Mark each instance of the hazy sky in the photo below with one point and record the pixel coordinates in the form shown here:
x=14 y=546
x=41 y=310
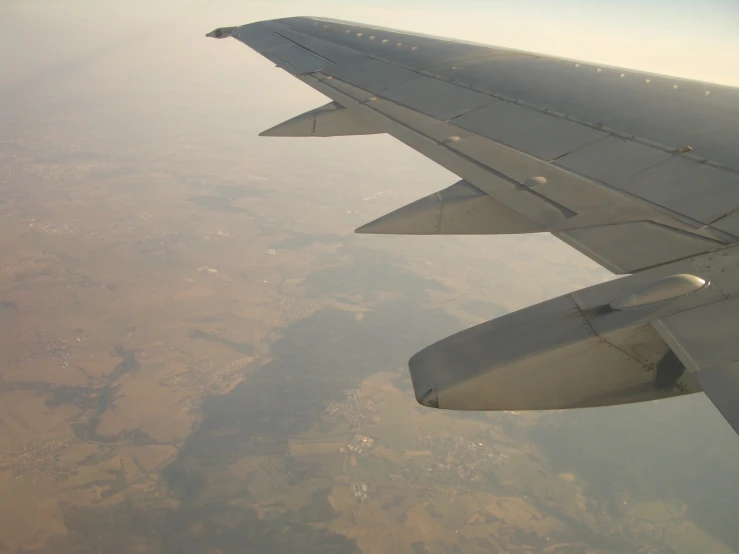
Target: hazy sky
x=678 y=37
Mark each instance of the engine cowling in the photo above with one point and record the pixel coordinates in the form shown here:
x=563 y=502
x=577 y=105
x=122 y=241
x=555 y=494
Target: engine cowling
x=559 y=354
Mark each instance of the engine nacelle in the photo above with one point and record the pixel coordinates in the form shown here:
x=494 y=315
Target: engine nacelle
x=574 y=351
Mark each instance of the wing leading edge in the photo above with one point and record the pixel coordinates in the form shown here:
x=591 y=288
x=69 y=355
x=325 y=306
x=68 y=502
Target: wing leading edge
x=638 y=171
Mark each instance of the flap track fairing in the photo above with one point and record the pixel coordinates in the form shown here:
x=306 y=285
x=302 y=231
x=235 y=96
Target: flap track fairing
x=331 y=120
x=461 y=209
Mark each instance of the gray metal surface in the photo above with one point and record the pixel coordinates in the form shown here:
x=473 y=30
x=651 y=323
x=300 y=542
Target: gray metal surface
x=337 y=54
x=728 y=224
x=635 y=246
x=640 y=172
x=613 y=159
x=372 y=75
x=699 y=191
x=389 y=44
x=301 y=59
x=704 y=337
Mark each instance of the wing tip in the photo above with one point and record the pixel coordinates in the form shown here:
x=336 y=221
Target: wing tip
x=221 y=32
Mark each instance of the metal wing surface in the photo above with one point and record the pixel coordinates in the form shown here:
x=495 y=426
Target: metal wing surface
x=640 y=172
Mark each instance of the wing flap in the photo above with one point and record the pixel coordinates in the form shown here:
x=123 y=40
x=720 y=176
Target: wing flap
x=704 y=337
x=705 y=341
x=630 y=247
x=687 y=187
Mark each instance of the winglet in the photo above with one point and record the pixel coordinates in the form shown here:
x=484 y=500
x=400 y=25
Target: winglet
x=331 y=120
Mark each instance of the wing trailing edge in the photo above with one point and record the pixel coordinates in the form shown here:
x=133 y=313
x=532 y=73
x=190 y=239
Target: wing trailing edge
x=331 y=120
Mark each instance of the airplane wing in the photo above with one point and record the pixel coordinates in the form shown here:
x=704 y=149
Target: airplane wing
x=640 y=172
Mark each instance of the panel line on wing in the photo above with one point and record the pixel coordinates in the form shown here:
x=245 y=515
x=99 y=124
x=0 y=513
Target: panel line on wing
x=580 y=147
x=564 y=116
x=611 y=245
x=482 y=53
x=566 y=212
x=305 y=48
x=567 y=117
x=616 y=176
